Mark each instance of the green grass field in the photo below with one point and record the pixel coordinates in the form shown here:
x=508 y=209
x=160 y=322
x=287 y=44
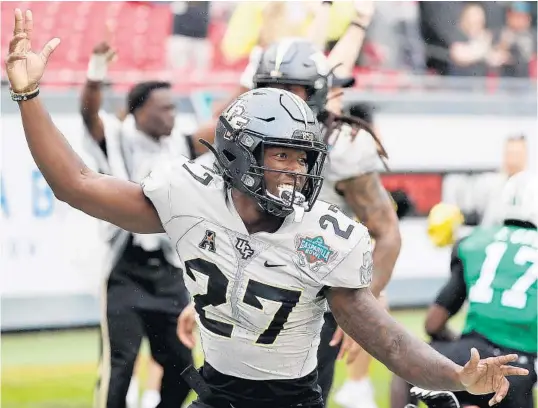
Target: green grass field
x=58 y=369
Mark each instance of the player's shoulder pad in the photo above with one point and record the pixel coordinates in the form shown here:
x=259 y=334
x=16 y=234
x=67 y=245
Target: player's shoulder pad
x=352 y=156
x=172 y=181
x=346 y=242
x=334 y=225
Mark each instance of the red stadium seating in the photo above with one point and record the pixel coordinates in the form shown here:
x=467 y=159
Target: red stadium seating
x=140 y=31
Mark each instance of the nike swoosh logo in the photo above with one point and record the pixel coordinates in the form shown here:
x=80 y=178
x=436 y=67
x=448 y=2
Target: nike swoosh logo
x=268 y=265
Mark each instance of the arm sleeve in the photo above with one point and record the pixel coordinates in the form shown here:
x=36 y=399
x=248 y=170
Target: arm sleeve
x=454 y=293
x=355 y=270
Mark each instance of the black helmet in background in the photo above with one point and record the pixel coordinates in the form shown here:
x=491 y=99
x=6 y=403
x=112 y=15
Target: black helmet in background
x=296 y=61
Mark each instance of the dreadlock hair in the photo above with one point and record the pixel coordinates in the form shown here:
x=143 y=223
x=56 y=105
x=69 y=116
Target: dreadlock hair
x=334 y=122
x=362 y=111
x=140 y=93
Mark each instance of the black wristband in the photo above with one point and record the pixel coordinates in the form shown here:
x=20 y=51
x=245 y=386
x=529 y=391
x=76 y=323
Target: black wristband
x=330 y=3
x=356 y=24
x=19 y=97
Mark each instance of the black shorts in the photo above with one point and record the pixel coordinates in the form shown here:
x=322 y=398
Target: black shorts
x=520 y=393
x=226 y=391
x=199 y=404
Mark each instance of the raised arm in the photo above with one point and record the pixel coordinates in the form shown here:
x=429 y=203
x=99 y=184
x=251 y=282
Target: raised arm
x=90 y=103
x=344 y=54
x=319 y=28
x=347 y=49
x=362 y=317
x=116 y=201
x=91 y=98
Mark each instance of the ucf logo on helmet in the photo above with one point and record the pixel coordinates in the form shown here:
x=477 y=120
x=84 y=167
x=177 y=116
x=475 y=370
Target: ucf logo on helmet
x=234 y=116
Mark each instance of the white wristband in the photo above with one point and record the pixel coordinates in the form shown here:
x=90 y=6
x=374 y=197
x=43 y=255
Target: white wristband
x=97 y=67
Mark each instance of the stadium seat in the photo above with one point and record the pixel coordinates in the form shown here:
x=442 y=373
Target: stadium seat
x=140 y=31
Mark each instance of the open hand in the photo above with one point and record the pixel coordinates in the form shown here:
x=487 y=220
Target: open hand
x=489 y=375
x=186 y=325
x=23 y=66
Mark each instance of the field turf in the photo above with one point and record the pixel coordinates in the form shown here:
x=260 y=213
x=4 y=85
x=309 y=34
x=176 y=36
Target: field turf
x=58 y=369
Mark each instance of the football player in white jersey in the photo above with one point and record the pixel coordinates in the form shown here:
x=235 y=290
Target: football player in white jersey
x=351 y=173
x=260 y=255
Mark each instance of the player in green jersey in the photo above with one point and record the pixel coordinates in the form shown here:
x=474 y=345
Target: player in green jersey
x=496 y=270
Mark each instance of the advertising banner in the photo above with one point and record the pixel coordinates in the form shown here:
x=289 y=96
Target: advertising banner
x=50 y=250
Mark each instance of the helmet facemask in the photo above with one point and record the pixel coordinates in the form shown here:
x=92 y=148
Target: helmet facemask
x=248 y=175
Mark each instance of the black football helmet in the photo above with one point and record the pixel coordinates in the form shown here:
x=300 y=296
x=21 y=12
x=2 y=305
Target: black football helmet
x=269 y=117
x=296 y=61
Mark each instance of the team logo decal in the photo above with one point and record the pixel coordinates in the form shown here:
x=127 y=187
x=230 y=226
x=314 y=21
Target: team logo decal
x=244 y=248
x=366 y=268
x=209 y=241
x=235 y=117
x=313 y=251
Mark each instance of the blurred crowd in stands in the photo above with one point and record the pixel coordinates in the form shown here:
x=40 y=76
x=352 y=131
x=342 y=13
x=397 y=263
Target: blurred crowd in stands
x=211 y=41
x=447 y=38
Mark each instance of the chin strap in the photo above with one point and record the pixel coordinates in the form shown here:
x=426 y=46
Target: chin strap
x=285 y=195
x=285 y=192
x=298 y=213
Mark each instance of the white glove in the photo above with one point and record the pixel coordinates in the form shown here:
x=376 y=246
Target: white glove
x=97 y=67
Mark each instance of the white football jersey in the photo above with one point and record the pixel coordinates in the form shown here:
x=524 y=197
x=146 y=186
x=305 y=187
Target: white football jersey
x=207 y=159
x=351 y=156
x=348 y=157
x=258 y=297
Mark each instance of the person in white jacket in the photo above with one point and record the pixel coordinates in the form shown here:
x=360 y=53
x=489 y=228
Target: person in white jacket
x=145 y=292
